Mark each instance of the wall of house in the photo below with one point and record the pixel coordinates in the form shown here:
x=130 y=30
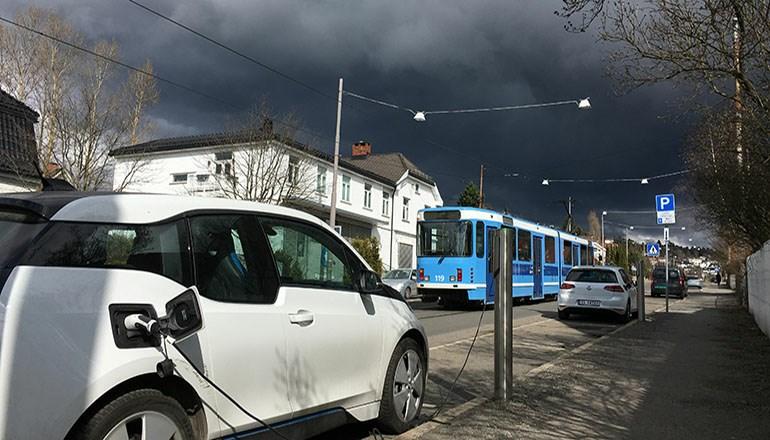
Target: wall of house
x=758 y=280
x=157 y=173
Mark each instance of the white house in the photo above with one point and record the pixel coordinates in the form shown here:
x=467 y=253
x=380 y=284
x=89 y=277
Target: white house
x=378 y=195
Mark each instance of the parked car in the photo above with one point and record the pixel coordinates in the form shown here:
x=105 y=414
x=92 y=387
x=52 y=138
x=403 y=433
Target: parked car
x=694 y=281
x=118 y=310
x=402 y=280
x=677 y=282
x=597 y=289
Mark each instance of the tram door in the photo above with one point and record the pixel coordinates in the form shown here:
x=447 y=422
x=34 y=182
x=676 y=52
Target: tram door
x=575 y=255
x=537 y=267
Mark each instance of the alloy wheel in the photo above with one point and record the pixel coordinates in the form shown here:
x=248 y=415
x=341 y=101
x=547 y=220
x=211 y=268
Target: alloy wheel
x=408 y=385
x=145 y=425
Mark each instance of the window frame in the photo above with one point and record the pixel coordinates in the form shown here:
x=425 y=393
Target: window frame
x=320 y=180
x=347 y=255
x=552 y=241
x=519 y=232
x=386 y=200
x=174 y=177
x=345 y=189
x=367 y=195
x=405 y=209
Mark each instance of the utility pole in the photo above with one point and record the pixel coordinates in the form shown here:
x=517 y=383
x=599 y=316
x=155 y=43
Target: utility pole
x=481 y=188
x=738 y=98
x=333 y=208
x=569 y=215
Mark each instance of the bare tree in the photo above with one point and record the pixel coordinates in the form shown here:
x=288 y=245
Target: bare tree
x=735 y=198
x=265 y=164
x=87 y=107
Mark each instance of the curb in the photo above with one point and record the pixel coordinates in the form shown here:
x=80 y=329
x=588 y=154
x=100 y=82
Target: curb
x=449 y=414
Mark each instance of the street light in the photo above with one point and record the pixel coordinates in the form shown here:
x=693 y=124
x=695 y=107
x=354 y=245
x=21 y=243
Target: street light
x=645 y=181
x=419 y=116
x=631 y=228
x=545 y=182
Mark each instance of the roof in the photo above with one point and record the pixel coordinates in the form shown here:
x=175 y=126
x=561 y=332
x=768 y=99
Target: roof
x=385 y=174
x=128 y=208
x=17 y=146
x=389 y=165
x=9 y=104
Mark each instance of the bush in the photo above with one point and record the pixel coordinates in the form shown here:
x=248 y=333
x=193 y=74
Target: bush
x=369 y=248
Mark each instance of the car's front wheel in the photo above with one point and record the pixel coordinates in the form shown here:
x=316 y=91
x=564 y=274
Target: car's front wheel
x=145 y=414
x=402 y=395
x=408 y=293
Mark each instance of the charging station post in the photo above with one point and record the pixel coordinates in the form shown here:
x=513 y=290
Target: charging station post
x=502 y=271
x=640 y=290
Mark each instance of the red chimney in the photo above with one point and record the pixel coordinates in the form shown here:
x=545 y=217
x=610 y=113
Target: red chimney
x=362 y=149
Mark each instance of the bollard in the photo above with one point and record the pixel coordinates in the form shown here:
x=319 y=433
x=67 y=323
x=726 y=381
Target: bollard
x=502 y=269
x=640 y=290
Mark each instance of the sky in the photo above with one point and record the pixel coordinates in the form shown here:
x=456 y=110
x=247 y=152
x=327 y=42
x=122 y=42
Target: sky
x=425 y=55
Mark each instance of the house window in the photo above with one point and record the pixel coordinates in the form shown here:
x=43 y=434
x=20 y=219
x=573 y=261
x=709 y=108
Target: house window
x=417 y=188
x=179 y=178
x=223 y=156
x=223 y=163
x=293 y=176
x=386 y=204
x=345 y=188
x=367 y=196
x=320 y=180
x=202 y=178
x=405 y=210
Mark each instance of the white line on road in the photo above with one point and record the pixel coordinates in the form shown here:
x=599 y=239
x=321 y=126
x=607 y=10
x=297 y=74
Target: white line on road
x=484 y=335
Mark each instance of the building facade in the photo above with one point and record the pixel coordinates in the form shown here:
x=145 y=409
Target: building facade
x=378 y=195
x=18 y=147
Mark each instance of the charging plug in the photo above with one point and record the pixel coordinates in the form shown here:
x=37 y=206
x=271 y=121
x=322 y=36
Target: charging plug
x=142 y=323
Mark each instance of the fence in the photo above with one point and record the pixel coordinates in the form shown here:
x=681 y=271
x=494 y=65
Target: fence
x=758 y=277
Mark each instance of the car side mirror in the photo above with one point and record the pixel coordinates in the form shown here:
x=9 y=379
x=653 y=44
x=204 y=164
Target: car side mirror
x=368 y=282
x=183 y=316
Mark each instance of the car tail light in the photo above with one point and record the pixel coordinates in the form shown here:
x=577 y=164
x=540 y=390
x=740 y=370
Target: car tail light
x=422 y=274
x=459 y=274
x=567 y=286
x=614 y=288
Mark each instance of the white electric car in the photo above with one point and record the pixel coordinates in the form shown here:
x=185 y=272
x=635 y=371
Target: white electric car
x=590 y=289
x=128 y=316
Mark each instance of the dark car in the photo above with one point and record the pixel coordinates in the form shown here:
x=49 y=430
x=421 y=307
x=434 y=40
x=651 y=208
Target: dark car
x=677 y=282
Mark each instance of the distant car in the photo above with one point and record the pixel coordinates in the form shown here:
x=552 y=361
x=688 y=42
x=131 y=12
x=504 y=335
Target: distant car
x=403 y=280
x=694 y=281
x=677 y=282
x=596 y=289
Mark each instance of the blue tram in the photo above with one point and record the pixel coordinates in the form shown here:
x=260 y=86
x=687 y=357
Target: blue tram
x=452 y=249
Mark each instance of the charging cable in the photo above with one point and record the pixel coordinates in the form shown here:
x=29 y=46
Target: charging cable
x=151 y=327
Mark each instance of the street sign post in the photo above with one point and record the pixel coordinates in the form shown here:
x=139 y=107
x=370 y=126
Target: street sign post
x=652 y=249
x=665 y=239
x=665 y=207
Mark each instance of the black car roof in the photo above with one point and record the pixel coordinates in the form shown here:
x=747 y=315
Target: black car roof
x=44 y=204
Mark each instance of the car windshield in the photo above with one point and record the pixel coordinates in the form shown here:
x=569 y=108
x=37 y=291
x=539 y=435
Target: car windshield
x=17 y=230
x=592 y=276
x=397 y=275
x=444 y=239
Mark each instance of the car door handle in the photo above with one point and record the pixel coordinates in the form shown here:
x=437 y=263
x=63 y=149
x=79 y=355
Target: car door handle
x=302 y=318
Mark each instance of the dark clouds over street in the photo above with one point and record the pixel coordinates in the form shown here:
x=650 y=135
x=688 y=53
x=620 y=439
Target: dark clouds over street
x=423 y=55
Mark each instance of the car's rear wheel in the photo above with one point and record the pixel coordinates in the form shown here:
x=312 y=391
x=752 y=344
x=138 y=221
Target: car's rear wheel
x=145 y=414
x=402 y=395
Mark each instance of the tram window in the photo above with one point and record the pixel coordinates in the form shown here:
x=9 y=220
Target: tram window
x=550 y=250
x=524 y=245
x=583 y=255
x=479 y=239
x=567 y=253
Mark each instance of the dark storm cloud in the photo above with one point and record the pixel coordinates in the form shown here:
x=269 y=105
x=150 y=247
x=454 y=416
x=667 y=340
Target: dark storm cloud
x=424 y=54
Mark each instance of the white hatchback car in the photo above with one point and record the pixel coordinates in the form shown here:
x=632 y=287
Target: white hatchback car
x=127 y=316
x=595 y=289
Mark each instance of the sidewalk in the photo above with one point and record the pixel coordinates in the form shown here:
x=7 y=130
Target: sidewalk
x=700 y=372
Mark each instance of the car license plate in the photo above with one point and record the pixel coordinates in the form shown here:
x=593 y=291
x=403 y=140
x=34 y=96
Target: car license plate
x=660 y=286
x=589 y=302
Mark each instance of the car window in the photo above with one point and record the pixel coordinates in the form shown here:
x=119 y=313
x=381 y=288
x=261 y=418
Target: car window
x=397 y=275
x=232 y=259
x=307 y=255
x=592 y=276
x=158 y=249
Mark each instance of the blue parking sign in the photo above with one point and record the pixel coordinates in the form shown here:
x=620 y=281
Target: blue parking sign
x=665 y=202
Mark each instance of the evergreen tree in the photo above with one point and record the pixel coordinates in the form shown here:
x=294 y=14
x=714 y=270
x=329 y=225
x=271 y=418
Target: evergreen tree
x=470 y=196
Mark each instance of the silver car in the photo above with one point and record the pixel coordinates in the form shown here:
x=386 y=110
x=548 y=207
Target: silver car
x=402 y=280
x=597 y=289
